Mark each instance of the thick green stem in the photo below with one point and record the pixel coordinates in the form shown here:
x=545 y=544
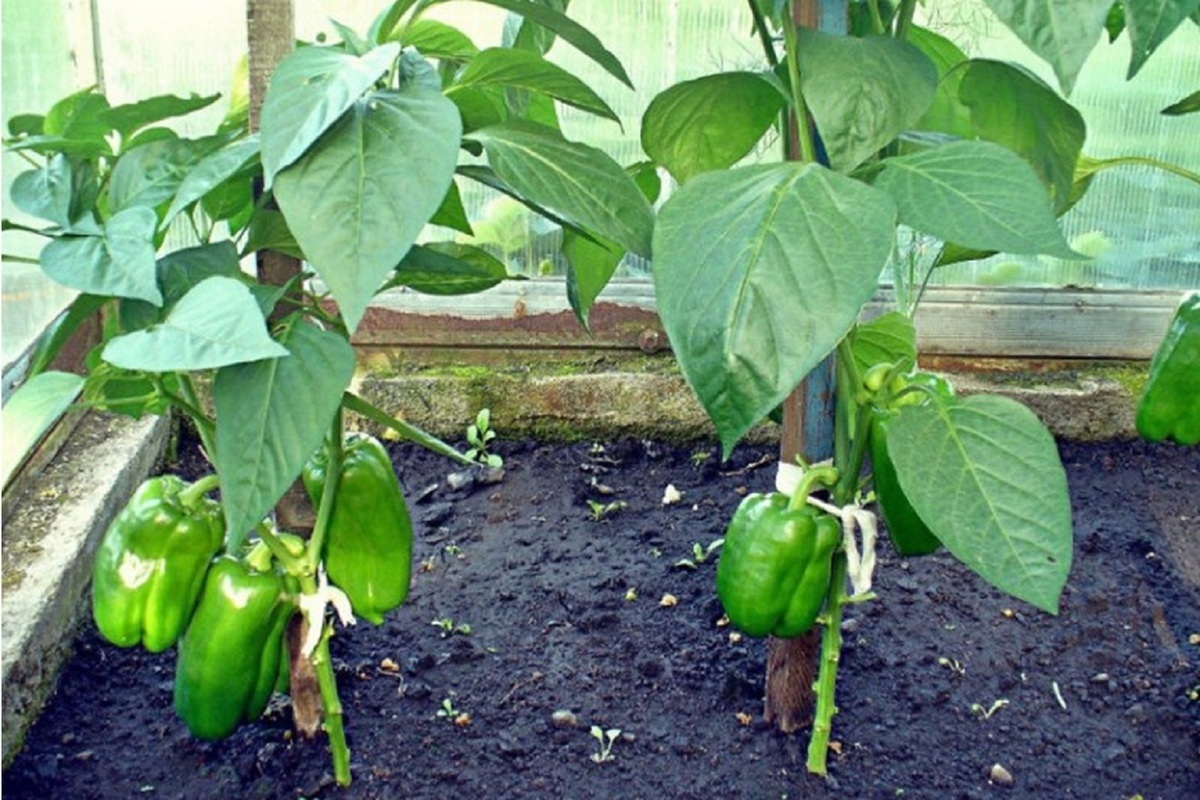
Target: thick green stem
x=831 y=653
x=904 y=17
x=333 y=711
x=292 y=565
x=808 y=151
x=352 y=402
x=819 y=476
x=849 y=470
x=333 y=475
x=192 y=494
x=876 y=20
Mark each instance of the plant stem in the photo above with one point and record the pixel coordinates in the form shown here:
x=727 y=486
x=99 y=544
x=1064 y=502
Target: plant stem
x=333 y=711
x=876 y=20
x=847 y=485
x=831 y=653
x=904 y=18
x=291 y=564
x=192 y=494
x=764 y=35
x=1146 y=162
x=333 y=475
x=352 y=402
x=808 y=153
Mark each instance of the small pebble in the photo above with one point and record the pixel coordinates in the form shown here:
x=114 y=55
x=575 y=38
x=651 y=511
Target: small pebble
x=1000 y=776
x=564 y=719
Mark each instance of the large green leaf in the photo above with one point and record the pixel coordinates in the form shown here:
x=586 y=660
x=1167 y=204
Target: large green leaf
x=709 y=123
x=571 y=32
x=863 y=93
x=945 y=114
x=435 y=39
x=976 y=194
x=887 y=339
x=576 y=182
x=521 y=69
x=30 y=412
x=216 y=324
x=1012 y=107
x=80 y=116
x=385 y=22
x=271 y=415
x=60 y=192
x=1062 y=32
x=310 y=90
x=213 y=170
x=590 y=266
x=151 y=174
x=758 y=273
x=447 y=268
x=125 y=119
x=268 y=230
x=120 y=263
x=177 y=273
x=1149 y=23
x=984 y=474
x=525 y=35
x=357 y=200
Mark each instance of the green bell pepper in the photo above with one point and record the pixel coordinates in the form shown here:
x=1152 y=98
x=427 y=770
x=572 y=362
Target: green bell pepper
x=368 y=546
x=1170 y=404
x=151 y=562
x=908 y=532
x=229 y=655
x=774 y=570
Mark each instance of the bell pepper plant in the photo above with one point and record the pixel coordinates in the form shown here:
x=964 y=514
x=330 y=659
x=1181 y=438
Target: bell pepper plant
x=895 y=144
x=360 y=147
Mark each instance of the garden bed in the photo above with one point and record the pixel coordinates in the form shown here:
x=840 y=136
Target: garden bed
x=1097 y=702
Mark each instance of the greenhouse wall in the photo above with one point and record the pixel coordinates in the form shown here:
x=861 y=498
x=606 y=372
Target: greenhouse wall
x=1140 y=226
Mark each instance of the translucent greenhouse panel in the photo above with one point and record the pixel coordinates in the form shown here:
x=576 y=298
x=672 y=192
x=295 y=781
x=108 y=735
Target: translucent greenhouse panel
x=1140 y=225
x=47 y=53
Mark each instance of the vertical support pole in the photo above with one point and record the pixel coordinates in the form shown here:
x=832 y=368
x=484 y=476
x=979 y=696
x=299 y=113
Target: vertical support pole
x=271 y=34
x=808 y=432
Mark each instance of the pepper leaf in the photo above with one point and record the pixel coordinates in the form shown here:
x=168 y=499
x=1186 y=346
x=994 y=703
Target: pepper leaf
x=217 y=323
x=984 y=474
x=759 y=272
x=271 y=415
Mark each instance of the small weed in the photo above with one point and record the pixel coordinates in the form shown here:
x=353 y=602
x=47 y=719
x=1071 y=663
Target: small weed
x=953 y=665
x=453 y=550
x=606 y=738
x=699 y=457
x=699 y=554
x=448 y=711
x=479 y=434
x=448 y=627
x=979 y=711
x=602 y=510
x=631 y=594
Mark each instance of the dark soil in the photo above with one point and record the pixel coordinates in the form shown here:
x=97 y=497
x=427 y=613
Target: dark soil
x=1101 y=700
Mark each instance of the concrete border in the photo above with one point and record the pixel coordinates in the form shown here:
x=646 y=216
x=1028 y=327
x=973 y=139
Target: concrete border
x=49 y=538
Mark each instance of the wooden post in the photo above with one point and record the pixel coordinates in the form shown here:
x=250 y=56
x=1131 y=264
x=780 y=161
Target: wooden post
x=271 y=34
x=808 y=414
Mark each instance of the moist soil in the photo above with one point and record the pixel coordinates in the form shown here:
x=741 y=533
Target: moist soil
x=941 y=677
